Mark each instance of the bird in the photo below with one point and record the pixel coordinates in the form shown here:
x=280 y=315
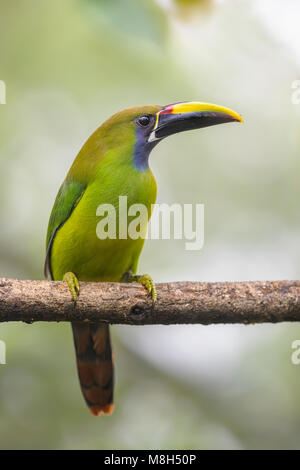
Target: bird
x=113 y=162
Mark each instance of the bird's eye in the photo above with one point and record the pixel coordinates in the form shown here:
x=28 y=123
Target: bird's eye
x=144 y=121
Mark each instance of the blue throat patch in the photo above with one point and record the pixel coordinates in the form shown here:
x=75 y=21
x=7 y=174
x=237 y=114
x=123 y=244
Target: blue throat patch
x=142 y=150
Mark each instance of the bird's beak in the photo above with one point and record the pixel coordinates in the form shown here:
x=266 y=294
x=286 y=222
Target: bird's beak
x=185 y=116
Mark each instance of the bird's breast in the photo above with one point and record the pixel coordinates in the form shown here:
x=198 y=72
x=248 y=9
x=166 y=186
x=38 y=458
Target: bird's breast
x=115 y=207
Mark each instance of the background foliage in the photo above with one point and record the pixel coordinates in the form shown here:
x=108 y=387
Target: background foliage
x=68 y=66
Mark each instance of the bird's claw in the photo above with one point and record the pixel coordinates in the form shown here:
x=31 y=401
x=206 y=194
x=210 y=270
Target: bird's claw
x=149 y=284
x=146 y=281
x=73 y=284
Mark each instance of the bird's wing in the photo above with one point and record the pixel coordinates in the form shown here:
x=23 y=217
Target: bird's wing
x=66 y=200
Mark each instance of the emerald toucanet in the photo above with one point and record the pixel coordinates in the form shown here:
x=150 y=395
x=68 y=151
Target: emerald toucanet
x=112 y=163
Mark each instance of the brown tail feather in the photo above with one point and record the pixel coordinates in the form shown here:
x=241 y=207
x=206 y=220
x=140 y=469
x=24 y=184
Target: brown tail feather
x=94 y=365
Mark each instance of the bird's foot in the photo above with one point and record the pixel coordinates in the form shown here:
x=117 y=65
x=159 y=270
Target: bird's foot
x=145 y=280
x=73 y=284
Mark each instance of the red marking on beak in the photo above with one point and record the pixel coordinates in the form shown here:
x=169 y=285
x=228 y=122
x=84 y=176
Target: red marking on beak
x=168 y=109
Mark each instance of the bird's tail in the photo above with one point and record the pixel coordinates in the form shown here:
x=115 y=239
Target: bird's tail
x=94 y=365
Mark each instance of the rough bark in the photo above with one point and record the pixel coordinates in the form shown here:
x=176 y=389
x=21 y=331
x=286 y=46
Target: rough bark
x=177 y=302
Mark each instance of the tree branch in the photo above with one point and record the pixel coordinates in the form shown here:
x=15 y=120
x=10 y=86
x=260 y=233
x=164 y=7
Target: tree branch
x=177 y=302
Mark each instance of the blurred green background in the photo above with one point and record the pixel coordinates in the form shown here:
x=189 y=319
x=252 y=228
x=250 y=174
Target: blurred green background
x=68 y=66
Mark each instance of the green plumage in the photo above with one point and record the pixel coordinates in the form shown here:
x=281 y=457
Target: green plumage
x=103 y=170
x=67 y=198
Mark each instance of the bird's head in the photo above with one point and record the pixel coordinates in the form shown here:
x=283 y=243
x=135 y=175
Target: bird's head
x=144 y=126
